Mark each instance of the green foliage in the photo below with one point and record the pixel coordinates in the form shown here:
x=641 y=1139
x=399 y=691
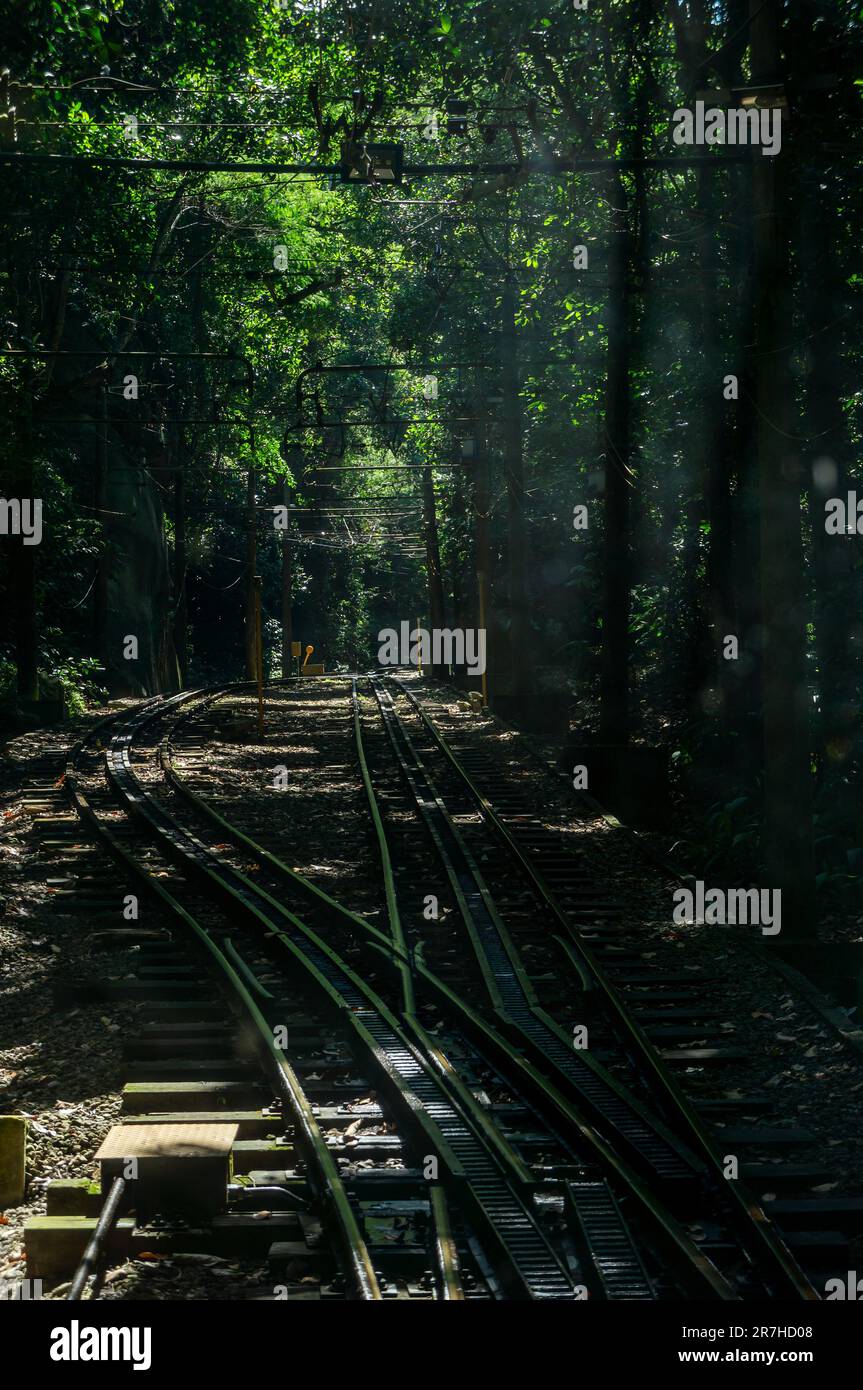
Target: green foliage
x=728 y=840
x=70 y=679
x=79 y=680
x=181 y=261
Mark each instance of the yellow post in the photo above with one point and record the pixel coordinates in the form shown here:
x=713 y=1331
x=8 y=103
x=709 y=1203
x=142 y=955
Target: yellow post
x=13 y=1153
x=259 y=656
x=482 y=603
x=419 y=648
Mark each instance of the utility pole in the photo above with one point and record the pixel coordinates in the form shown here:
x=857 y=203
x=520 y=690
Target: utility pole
x=459 y=527
x=251 y=566
x=482 y=509
x=433 y=565
x=259 y=653
x=287 y=586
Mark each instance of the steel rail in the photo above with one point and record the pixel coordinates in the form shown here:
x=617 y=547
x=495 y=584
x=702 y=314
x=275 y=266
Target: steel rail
x=765 y=1240
x=393 y=914
x=645 y=1137
x=446 y=1250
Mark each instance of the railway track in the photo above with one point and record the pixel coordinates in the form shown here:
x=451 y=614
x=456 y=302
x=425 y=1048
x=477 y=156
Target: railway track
x=686 y=1170
x=581 y=1203
x=441 y=1135
x=503 y=1236
x=495 y=1189
x=484 y=1051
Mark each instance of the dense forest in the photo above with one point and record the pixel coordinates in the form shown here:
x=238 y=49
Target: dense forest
x=423 y=312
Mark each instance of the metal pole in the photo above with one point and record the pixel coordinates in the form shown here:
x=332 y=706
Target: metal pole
x=483 y=581
x=93 y=1252
x=287 y=590
x=259 y=655
x=482 y=507
x=251 y=567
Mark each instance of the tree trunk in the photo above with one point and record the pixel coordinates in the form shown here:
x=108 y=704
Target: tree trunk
x=713 y=605
x=22 y=558
x=828 y=310
x=24 y=590
x=785 y=697
x=744 y=675
x=181 y=615
x=827 y=476
x=614 y=664
x=100 y=586
x=514 y=472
